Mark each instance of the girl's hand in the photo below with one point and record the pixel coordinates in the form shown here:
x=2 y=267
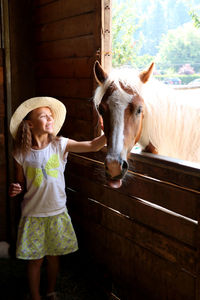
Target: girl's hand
x=14 y=189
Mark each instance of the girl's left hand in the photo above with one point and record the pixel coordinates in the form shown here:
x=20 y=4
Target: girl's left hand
x=14 y=189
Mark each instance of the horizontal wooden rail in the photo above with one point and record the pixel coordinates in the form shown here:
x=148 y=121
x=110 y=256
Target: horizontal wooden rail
x=144 y=232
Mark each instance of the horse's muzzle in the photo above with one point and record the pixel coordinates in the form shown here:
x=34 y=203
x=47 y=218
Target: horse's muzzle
x=115 y=171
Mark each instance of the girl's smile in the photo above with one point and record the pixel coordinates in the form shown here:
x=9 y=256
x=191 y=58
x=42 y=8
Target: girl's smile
x=41 y=121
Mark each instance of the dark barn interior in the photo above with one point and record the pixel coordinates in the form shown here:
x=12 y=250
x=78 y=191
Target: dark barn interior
x=142 y=241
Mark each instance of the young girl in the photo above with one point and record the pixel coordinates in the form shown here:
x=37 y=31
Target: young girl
x=45 y=228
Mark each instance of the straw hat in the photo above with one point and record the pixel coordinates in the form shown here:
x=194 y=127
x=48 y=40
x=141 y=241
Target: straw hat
x=58 y=109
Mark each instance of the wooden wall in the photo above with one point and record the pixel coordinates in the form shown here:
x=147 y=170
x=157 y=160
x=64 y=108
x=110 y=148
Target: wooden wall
x=68 y=41
x=16 y=85
x=145 y=234
x=19 y=39
x=50 y=47
x=3 y=172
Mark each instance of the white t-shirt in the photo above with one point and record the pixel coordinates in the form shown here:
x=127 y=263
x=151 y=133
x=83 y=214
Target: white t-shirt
x=45 y=182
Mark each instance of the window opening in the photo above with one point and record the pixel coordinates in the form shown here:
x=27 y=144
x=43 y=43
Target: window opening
x=166 y=32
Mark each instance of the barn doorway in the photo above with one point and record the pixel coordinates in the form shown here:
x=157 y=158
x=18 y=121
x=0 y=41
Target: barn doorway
x=3 y=141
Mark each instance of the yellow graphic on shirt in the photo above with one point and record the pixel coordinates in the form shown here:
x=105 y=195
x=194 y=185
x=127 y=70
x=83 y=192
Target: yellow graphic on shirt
x=38 y=174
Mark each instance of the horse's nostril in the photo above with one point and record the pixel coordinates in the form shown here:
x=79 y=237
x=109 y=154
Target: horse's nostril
x=124 y=165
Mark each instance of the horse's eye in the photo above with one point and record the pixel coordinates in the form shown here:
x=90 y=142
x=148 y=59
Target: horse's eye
x=139 y=110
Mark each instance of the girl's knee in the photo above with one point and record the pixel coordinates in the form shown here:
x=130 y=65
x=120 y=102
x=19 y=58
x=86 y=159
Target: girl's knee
x=36 y=262
x=52 y=258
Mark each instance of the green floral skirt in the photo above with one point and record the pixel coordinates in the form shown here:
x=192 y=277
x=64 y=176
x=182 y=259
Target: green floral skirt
x=41 y=236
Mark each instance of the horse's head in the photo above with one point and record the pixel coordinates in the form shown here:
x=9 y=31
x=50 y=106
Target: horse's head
x=122 y=109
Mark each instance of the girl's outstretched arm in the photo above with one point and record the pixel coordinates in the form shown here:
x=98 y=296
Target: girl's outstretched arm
x=86 y=146
x=18 y=187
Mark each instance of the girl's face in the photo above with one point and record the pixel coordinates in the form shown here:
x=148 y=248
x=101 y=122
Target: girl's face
x=41 y=121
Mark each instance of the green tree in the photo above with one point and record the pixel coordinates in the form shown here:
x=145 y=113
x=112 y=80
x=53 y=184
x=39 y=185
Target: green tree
x=138 y=27
x=126 y=44
x=195 y=18
x=124 y=47
x=178 y=47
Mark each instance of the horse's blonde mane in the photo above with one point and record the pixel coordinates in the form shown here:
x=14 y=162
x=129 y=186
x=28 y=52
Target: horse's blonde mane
x=172 y=117
x=171 y=120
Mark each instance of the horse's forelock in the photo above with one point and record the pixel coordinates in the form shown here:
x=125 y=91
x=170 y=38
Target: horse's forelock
x=126 y=80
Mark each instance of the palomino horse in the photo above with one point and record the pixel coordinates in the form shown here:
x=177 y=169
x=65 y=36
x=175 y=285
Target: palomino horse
x=136 y=108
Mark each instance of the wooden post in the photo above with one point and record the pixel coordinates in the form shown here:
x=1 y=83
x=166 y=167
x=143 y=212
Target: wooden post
x=198 y=254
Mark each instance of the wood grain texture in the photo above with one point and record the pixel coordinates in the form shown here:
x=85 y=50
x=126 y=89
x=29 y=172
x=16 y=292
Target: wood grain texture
x=145 y=233
x=62 y=9
x=66 y=28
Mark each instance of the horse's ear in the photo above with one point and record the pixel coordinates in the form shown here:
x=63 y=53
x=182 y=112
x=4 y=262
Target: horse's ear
x=145 y=75
x=99 y=74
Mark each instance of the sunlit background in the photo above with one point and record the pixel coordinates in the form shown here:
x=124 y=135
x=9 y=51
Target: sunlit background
x=166 y=32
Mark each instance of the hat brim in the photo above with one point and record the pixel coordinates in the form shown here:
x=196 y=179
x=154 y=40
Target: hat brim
x=58 y=109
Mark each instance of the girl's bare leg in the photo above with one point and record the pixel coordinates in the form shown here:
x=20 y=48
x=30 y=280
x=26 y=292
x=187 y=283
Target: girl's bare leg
x=52 y=272
x=34 y=267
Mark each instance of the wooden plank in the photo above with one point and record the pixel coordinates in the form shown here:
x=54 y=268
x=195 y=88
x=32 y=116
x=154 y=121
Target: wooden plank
x=127 y=264
x=2 y=105
x=198 y=254
x=62 y=9
x=172 y=170
x=2 y=125
x=1 y=56
x=61 y=55
x=80 y=119
x=3 y=213
x=65 y=68
x=1 y=77
x=3 y=177
x=163 y=246
x=182 y=173
x=3 y=140
x=74 y=47
x=136 y=267
x=98 y=42
x=107 y=38
x=170 y=197
x=66 y=28
x=42 y=2
x=84 y=111
x=60 y=87
x=180 y=228
x=77 y=129
x=154 y=277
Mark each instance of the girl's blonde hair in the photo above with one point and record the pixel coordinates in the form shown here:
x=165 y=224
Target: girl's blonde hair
x=23 y=141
